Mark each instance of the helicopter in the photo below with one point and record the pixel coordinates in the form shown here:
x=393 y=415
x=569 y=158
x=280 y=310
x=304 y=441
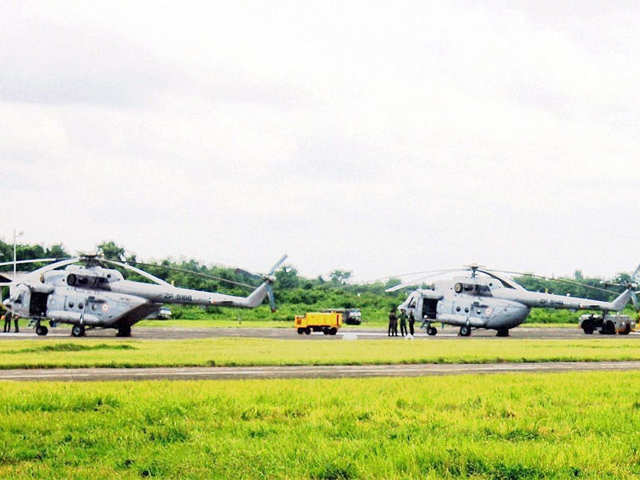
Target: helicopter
x=93 y=295
x=494 y=301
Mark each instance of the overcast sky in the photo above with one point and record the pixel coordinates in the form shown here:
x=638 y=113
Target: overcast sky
x=377 y=137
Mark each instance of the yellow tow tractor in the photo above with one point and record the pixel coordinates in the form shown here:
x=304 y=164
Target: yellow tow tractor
x=325 y=322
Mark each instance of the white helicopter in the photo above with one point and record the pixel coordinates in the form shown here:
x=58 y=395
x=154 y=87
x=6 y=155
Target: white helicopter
x=93 y=296
x=495 y=301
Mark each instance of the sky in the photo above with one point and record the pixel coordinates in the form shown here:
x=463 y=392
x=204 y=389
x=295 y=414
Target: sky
x=375 y=137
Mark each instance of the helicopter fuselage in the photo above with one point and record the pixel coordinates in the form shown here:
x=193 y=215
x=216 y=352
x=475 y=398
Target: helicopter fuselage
x=465 y=310
x=100 y=297
x=487 y=303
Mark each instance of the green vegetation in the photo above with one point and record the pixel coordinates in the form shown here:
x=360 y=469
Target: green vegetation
x=516 y=426
x=261 y=351
x=373 y=317
x=296 y=294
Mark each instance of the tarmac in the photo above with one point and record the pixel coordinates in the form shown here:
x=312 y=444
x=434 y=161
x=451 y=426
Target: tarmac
x=168 y=333
x=346 y=371
x=343 y=371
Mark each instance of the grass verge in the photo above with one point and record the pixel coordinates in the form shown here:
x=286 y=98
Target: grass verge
x=88 y=352
x=517 y=426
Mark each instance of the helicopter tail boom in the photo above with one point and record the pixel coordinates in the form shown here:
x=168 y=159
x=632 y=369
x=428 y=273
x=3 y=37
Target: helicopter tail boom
x=621 y=300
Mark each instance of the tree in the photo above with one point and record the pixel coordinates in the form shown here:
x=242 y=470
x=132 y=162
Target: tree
x=392 y=282
x=111 y=251
x=287 y=277
x=57 y=251
x=340 y=277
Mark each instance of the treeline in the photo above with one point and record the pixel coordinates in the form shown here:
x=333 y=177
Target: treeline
x=334 y=291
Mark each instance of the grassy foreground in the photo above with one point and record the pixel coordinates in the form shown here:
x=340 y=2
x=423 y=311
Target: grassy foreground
x=88 y=352
x=560 y=426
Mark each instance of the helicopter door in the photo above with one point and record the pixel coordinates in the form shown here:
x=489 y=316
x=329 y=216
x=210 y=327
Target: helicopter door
x=429 y=308
x=38 y=304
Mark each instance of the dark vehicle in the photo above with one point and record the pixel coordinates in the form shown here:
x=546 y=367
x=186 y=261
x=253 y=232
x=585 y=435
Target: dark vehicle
x=608 y=324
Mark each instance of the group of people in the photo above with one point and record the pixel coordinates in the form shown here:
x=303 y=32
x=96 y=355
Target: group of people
x=392 y=331
x=7 y=317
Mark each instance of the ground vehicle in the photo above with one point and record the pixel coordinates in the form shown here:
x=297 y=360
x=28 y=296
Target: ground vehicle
x=350 y=316
x=163 y=314
x=325 y=322
x=607 y=324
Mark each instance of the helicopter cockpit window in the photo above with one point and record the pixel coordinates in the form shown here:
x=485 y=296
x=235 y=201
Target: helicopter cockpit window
x=412 y=302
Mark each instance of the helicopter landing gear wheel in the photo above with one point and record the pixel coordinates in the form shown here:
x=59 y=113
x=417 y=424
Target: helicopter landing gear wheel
x=432 y=331
x=41 y=330
x=503 y=332
x=124 y=331
x=465 y=331
x=77 y=331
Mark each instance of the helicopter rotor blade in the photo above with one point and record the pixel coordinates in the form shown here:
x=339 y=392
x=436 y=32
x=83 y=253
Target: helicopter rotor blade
x=271 y=297
x=34 y=260
x=415 y=282
x=562 y=280
x=198 y=274
x=277 y=265
x=635 y=276
x=263 y=276
x=53 y=266
x=144 y=274
x=634 y=300
x=409 y=274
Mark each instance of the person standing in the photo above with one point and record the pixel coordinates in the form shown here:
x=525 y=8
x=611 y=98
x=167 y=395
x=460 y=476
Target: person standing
x=393 y=323
x=16 y=318
x=403 y=323
x=390 y=327
x=7 y=322
x=412 y=321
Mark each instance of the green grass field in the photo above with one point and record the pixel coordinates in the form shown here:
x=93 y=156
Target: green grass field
x=502 y=427
x=88 y=352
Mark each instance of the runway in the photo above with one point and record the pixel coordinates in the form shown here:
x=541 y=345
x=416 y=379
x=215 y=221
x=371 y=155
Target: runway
x=344 y=371
x=167 y=333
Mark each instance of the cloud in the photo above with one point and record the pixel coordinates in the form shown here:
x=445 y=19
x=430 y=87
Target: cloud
x=353 y=135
